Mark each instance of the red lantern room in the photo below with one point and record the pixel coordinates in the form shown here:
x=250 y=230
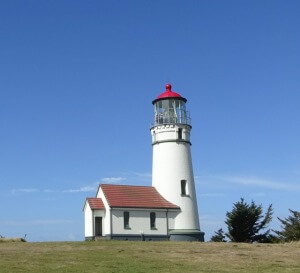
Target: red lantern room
x=169 y=108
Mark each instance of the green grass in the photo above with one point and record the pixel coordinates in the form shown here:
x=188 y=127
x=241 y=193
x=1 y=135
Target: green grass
x=126 y=256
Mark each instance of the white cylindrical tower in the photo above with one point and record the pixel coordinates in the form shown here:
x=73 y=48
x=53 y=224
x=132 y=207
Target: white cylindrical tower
x=172 y=170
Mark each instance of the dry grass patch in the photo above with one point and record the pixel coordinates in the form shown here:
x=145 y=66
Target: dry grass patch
x=120 y=256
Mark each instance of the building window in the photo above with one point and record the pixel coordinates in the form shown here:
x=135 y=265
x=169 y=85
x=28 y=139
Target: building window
x=184 y=188
x=126 y=219
x=152 y=220
x=180 y=133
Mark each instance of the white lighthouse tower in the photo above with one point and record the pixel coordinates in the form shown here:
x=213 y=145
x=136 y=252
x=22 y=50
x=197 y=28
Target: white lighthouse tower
x=172 y=170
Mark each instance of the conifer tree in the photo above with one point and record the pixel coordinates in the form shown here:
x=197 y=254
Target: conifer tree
x=290 y=227
x=219 y=236
x=245 y=221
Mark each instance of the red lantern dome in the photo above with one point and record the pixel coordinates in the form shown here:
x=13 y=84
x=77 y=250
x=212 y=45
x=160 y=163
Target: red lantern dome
x=169 y=94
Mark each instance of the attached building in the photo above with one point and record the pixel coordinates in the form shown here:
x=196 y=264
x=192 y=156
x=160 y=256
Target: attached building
x=129 y=213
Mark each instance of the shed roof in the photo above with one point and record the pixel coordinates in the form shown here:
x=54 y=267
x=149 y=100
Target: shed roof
x=95 y=203
x=125 y=196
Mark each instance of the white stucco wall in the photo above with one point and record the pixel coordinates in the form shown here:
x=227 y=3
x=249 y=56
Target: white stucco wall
x=172 y=163
x=106 y=219
x=139 y=222
x=88 y=221
x=172 y=216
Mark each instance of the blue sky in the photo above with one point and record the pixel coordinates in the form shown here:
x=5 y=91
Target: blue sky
x=77 y=79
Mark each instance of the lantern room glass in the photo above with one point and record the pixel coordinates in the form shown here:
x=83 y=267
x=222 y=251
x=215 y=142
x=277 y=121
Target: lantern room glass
x=171 y=111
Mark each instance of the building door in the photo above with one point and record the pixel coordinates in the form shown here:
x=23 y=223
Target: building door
x=98 y=226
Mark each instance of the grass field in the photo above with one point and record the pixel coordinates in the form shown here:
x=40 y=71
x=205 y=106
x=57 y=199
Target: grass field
x=126 y=256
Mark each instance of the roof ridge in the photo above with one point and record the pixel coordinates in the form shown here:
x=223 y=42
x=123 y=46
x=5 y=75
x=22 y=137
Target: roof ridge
x=122 y=185
x=134 y=196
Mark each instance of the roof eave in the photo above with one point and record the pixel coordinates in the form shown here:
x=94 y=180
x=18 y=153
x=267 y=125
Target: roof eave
x=135 y=207
x=166 y=98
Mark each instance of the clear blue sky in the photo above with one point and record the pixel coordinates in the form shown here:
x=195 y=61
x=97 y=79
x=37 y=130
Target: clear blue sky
x=76 y=83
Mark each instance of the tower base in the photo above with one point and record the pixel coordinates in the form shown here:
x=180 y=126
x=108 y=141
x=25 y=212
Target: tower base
x=186 y=235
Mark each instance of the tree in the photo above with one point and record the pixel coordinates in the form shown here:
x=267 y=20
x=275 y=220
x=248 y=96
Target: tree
x=219 y=236
x=290 y=227
x=245 y=221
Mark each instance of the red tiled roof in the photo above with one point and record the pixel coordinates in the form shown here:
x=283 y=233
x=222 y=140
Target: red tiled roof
x=95 y=203
x=125 y=196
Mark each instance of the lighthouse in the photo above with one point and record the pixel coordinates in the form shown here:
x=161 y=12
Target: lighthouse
x=167 y=209
x=172 y=169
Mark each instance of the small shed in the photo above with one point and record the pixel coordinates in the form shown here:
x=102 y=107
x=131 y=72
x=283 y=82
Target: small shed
x=128 y=213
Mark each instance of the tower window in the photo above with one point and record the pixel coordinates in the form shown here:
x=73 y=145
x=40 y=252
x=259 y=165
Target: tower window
x=180 y=133
x=152 y=220
x=183 y=188
x=126 y=219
